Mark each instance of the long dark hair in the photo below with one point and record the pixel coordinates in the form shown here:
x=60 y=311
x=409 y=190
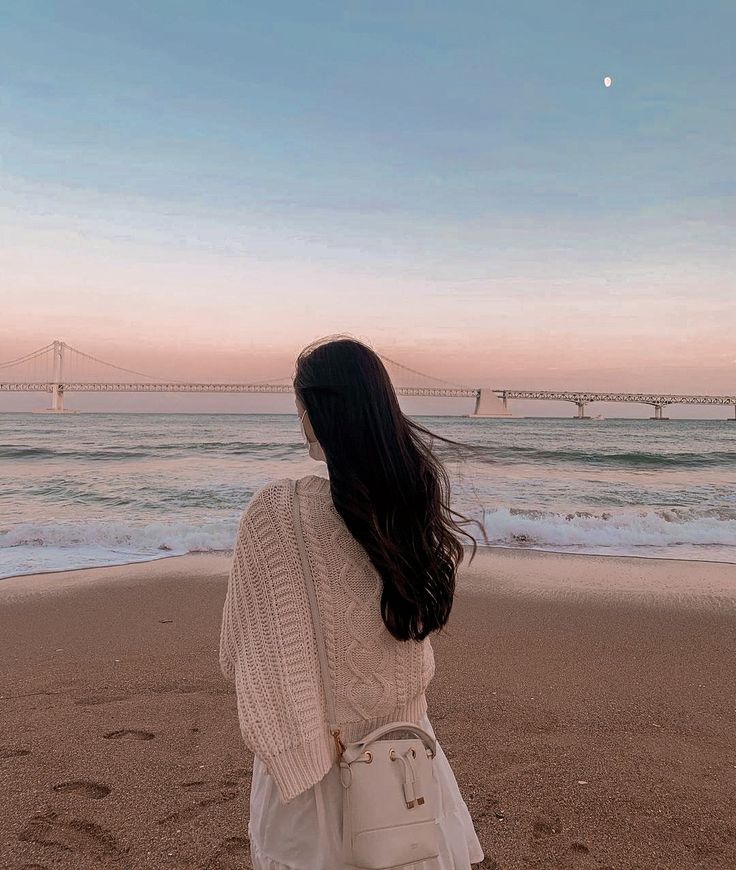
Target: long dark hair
x=386 y=483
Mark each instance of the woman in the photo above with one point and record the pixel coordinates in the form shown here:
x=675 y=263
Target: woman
x=382 y=548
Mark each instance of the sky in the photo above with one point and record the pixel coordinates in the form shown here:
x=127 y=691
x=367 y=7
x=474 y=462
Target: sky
x=199 y=189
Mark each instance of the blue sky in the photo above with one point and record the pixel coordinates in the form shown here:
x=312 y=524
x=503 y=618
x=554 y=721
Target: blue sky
x=429 y=176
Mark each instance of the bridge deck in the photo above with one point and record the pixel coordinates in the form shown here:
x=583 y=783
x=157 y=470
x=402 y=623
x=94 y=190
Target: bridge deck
x=446 y=392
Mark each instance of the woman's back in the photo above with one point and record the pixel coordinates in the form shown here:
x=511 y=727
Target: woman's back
x=267 y=638
x=374 y=675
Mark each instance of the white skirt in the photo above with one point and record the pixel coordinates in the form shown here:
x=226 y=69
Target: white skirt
x=306 y=833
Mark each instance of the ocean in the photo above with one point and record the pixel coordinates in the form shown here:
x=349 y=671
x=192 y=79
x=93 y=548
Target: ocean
x=102 y=489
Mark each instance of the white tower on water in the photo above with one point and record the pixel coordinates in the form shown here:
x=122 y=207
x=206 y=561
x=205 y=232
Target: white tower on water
x=57 y=384
x=488 y=404
x=57 y=395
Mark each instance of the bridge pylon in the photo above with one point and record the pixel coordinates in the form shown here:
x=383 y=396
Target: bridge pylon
x=57 y=383
x=488 y=404
x=57 y=390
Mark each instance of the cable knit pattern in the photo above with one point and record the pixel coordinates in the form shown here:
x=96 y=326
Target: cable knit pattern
x=269 y=649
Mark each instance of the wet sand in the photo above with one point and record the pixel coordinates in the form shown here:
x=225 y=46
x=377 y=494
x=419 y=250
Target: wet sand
x=587 y=705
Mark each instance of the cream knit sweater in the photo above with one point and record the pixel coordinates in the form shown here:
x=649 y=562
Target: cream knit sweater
x=268 y=647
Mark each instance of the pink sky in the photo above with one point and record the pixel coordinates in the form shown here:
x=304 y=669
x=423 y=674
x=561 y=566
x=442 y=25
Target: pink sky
x=196 y=315
x=590 y=343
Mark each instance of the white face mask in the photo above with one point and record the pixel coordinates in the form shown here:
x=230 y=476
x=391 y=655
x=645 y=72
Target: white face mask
x=315 y=448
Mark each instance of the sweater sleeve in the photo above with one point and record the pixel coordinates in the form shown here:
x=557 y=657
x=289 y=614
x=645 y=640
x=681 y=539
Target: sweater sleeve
x=244 y=601
x=265 y=648
x=233 y=604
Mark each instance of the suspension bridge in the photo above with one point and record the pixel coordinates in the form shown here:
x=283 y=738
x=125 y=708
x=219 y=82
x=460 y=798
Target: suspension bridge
x=58 y=368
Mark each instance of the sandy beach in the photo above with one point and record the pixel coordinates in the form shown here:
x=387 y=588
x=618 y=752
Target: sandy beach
x=587 y=705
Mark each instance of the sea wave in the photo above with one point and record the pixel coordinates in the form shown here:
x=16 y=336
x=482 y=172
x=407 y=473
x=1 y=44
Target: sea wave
x=29 y=548
x=632 y=528
x=32 y=547
x=142 y=451
x=616 y=459
x=494 y=454
x=161 y=536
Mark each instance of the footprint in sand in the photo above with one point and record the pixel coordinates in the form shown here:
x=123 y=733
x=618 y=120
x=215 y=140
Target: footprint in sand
x=210 y=794
x=94 y=790
x=484 y=805
x=546 y=826
x=578 y=855
x=129 y=734
x=10 y=752
x=193 y=784
x=165 y=621
x=101 y=699
x=240 y=772
x=231 y=854
x=71 y=834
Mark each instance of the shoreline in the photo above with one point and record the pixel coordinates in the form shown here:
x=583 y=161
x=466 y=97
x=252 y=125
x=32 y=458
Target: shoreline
x=585 y=728
x=527 y=570
x=482 y=548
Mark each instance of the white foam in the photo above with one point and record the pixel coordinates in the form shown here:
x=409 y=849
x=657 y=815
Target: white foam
x=29 y=548
x=634 y=531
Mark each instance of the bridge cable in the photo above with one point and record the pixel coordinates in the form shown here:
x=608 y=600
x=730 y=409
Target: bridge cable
x=121 y=368
x=27 y=357
x=424 y=374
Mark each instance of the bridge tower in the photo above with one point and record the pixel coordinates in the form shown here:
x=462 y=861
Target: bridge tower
x=57 y=389
x=487 y=404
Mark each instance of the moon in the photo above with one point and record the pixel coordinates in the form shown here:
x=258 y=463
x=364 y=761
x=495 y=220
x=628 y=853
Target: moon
x=607 y=81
